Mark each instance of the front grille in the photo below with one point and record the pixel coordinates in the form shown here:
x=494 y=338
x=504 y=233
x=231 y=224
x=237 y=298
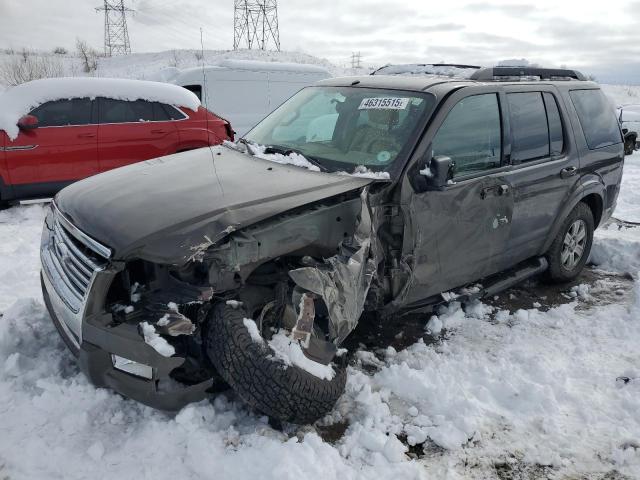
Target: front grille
x=72 y=261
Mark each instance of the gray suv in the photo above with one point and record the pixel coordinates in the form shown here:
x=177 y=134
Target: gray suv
x=248 y=265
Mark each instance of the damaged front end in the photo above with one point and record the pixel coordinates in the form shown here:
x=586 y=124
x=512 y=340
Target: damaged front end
x=308 y=271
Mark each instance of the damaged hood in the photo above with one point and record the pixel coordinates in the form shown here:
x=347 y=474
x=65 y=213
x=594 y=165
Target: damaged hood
x=167 y=209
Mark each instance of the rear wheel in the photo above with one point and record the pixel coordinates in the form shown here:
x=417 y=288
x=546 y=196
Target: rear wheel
x=250 y=366
x=629 y=145
x=570 y=249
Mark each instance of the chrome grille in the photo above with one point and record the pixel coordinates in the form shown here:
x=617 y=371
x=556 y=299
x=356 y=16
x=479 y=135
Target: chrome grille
x=71 y=259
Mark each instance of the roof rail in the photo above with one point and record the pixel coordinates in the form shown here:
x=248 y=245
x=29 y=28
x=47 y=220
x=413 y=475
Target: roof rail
x=508 y=73
x=453 y=65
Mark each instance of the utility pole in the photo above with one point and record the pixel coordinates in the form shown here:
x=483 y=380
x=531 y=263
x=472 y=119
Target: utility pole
x=255 y=24
x=355 y=60
x=116 y=34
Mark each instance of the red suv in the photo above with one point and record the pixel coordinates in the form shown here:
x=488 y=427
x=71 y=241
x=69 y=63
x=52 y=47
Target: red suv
x=65 y=140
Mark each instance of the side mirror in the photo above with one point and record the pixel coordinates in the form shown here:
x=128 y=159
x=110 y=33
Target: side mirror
x=28 y=122
x=438 y=171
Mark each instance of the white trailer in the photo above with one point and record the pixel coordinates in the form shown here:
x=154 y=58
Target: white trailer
x=244 y=91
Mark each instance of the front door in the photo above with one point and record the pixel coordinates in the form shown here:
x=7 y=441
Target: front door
x=459 y=232
x=62 y=149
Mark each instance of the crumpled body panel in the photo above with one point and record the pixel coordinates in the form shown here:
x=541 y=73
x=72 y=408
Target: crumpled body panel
x=344 y=280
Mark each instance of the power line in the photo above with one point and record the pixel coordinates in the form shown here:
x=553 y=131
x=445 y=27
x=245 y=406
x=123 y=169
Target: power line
x=255 y=24
x=116 y=34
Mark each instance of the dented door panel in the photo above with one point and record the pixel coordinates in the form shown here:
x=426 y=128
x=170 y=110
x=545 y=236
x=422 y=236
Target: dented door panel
x=458 y=234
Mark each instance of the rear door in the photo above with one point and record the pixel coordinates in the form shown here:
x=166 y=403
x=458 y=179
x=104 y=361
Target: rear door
x=544 y=166
x=460 y=230
x=131 y=132
x=62 y=149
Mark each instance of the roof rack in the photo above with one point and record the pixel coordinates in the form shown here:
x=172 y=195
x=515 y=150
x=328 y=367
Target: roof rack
x=510 y=73
x=453 y=65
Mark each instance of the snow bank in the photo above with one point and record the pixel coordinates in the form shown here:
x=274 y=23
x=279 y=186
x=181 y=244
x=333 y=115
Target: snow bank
x=20 y=100
x=530 y=387
x=628 y=206
x=617 y=249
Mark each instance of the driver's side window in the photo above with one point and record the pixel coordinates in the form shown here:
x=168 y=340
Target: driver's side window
x=471 y=135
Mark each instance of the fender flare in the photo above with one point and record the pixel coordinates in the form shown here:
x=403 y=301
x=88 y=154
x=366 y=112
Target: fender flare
x=589 y=185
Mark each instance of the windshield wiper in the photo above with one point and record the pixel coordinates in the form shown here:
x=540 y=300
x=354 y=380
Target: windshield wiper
x=287 y=150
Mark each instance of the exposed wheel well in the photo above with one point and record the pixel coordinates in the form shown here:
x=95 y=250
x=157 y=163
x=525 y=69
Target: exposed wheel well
x=594 y=202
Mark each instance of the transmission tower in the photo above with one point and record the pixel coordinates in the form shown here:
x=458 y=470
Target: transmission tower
x=355 y=60
x=116 y=35
x=255 y=24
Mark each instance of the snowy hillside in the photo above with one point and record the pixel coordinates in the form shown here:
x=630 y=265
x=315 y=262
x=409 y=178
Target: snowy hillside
x=149 y=66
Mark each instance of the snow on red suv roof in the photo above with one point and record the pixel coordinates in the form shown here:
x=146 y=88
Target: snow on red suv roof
x=20 y=100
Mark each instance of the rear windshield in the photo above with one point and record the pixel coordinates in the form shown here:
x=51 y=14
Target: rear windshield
x=342 y=127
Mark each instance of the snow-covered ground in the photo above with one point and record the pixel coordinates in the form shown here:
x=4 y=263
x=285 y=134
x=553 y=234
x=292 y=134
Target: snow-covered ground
x=502 y=389
x=551 y=388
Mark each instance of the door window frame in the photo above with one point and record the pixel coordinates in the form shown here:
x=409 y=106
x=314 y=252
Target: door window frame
x=440 y=115
x=92 y=122
x=99 y=100
x=564 y=121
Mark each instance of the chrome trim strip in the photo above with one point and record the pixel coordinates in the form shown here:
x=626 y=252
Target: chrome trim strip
x=20 y=148
x=54 y=303
x=97 y=247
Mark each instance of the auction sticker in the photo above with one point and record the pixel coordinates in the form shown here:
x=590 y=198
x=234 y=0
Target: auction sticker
x=384 y=103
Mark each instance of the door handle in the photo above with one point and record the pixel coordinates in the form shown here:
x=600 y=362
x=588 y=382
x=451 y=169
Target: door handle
x=568 y=172
x=158 y=131
x=86 y=135
x=497 y=190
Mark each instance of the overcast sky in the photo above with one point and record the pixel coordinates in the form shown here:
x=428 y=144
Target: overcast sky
x=599 y=37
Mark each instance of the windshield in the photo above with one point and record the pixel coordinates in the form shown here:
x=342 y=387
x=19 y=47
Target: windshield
x=342 y=128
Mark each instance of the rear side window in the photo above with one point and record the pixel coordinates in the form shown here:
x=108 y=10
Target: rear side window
x=556 y=135
x=471 y=135
x=171 y=113
x=597 y=118
x=59 y=113
x=529 y=129
x=121 y=111
x=160 y=114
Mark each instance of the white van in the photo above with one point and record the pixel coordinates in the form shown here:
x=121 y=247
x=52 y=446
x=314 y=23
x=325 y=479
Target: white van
x=244 y=91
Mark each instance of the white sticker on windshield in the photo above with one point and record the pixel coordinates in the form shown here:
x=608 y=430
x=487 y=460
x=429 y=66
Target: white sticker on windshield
x=384 y=103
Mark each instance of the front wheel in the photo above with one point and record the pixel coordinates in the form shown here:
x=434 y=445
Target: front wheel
x=248 y=363
x=570 y=249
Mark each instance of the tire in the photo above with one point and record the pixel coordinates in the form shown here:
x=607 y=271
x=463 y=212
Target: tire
x=629 y=146
x=564 y=262
x=285 y=393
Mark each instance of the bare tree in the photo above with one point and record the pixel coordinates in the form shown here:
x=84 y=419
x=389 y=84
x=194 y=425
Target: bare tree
x=174 y=61
x=29 y=66
x=88 y=56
